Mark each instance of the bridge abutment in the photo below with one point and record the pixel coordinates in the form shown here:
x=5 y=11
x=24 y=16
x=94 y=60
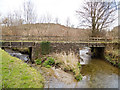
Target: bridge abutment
x=35 y=53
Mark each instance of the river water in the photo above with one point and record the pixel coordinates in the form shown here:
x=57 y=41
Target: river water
x=17 y=54
x=97 y=73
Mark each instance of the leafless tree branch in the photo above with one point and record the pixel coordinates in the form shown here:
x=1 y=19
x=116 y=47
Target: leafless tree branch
x=97 y=15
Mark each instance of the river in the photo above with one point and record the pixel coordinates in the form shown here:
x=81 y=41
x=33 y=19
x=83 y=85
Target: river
x=97 y=73
x=17 y=54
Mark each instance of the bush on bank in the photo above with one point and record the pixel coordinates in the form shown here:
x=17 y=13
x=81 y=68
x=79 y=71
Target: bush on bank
x=46 y=62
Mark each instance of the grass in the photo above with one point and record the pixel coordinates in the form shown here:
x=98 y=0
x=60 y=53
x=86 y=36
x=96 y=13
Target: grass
x=69 y=63
x=17 y=74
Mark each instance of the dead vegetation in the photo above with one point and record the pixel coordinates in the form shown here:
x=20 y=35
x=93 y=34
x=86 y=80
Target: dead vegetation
x=46 y=30
x=114 y=33
x=69 y=62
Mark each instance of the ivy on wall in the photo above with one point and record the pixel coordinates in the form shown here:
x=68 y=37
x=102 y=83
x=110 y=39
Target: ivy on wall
x=45 y=48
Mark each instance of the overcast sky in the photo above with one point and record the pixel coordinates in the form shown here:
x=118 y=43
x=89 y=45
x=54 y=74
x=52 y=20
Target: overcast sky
x=56 y=8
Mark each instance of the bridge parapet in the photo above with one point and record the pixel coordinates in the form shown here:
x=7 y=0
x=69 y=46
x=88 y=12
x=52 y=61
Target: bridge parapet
x=99 y=39
x=37 y=44
x=54 y=38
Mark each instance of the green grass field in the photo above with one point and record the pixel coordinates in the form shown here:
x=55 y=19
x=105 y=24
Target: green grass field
x=17 y=74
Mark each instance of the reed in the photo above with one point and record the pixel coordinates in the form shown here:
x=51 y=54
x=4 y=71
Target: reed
x=68 y=62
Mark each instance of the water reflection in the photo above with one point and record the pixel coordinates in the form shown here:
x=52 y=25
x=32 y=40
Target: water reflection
x=99 y=74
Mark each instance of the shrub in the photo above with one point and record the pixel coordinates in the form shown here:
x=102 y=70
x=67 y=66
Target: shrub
x=48 y=66
x=45 y=48
x=38 y=61
x=78 y=77
x=79 y=65
x=50 y=61
x=114 y=62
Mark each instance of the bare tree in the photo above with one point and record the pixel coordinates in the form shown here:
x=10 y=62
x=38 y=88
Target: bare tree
x=12 y=19
x=17 y=18
x=72 y=26
x=97 y=15
x=47 y=18
x=68 y=22
x=42 y=19
x=7 y=21
x=57 y=21
x=29 y=12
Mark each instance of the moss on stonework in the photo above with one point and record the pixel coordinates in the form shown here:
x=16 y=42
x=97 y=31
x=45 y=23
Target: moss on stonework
x=45 y=48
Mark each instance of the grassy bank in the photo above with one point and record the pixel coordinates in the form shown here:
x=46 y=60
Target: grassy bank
x=112 y=56
x=17 y=74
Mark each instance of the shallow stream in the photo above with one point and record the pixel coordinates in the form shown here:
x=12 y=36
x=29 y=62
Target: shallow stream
x=97 y=73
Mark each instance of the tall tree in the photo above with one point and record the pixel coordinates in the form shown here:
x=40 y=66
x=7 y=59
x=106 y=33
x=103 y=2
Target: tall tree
x=29 y=12
x=97 y=15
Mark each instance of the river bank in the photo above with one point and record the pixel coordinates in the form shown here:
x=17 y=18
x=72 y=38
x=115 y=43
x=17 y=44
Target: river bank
x=17 y=74
x=112 y=55
x=62 y=68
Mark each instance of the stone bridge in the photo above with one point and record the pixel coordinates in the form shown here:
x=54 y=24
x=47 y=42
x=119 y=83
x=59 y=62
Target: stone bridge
x=57 y=43
x=56 y=47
